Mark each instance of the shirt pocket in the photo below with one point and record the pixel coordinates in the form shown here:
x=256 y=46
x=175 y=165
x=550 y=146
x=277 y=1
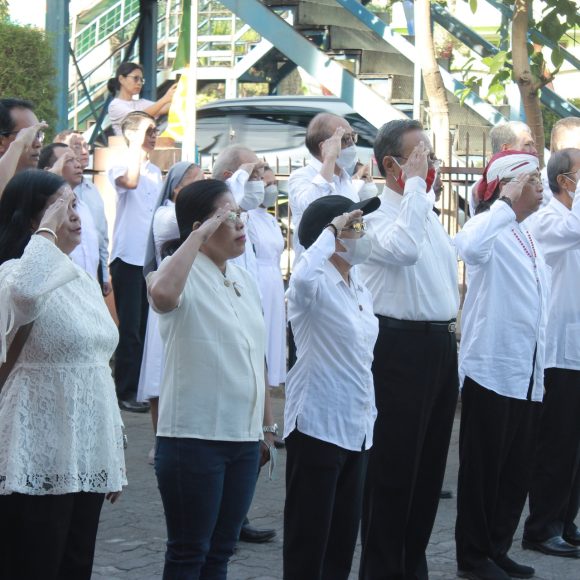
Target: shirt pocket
x=572 y=344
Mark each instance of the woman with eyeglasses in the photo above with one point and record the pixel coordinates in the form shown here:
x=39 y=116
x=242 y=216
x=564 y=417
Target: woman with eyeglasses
x=61 y=433
x=212 y=397
x=127 y=83
x=330 y=404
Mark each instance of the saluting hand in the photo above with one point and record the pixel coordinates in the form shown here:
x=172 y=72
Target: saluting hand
x=27 y=135
x=513 y=189
x=346 y=219
x=57 y=212
x=416 y=165
x=331 y=148
x=209 y=226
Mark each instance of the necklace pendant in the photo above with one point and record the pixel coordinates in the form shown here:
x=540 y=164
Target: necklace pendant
x=227 y=283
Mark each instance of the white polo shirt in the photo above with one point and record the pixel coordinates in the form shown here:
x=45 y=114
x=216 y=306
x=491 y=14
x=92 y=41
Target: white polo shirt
x=135 y=210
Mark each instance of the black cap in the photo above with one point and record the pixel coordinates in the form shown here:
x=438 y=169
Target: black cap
x=322 y=211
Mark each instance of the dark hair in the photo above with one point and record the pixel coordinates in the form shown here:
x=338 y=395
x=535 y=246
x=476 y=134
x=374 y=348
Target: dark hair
x=389 y=139
x=6 y=105
x=195 y=203
x=560 y=162
x=132 y=121
x=124 y=69
x=24 y=198
x=47 y=157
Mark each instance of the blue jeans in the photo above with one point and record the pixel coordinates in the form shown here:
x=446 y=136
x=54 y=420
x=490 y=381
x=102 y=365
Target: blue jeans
x=206 y=488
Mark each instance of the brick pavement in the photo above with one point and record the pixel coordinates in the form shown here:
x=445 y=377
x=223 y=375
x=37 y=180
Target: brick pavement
x=131 y=540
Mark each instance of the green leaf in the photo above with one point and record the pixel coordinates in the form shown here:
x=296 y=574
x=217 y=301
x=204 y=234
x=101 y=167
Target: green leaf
x=557 y=58
x=473 y=5
x=496 y=92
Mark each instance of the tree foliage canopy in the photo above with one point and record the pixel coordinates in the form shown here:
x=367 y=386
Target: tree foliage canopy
x=27 y=70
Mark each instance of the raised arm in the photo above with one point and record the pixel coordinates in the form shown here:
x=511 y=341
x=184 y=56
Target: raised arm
x=130 y=179
x=166 y=284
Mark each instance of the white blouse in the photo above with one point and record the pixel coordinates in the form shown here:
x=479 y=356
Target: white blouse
x=506 y=306
x=329 y=391
x=60 y=425
x=213 y=382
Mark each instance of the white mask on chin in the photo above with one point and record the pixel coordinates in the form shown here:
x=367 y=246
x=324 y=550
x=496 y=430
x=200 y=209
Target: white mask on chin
x=347 y=159
x=270 y=195
x=357 y=251
x=253 y=195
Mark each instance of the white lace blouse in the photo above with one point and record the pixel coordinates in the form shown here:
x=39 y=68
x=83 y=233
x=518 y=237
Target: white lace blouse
x=60 y=426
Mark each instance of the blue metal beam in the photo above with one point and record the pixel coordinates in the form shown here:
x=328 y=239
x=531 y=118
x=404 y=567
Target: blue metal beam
x=305 y=54
x=148 y=47
x=382 y=30
x=57 y=29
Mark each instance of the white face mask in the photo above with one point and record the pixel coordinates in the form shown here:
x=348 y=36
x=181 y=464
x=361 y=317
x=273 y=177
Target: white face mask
x=270 y=195
x=357 y=251
x=576 y=192
x=347 y=159
x=253 y=195
x=368 y=190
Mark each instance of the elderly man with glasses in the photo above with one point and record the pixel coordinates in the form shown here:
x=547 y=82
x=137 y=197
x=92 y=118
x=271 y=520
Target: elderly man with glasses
x=21 y=138
x=332 y=145
x=412 y=275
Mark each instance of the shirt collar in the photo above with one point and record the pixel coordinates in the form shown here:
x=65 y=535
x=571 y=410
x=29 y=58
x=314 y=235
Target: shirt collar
x=317 y=165
x=559 y=206
x=391 y=196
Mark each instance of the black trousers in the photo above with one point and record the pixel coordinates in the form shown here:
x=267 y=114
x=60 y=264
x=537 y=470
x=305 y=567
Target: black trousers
x=132 y=309
x=48 y=537
x=554 y=490
x=416 y=388
x=496 y=449
x=324 y=489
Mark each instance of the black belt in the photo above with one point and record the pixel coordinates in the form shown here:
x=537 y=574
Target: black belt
x=417 y=325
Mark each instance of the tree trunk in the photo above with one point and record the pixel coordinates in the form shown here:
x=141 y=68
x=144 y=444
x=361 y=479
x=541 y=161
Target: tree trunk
x=438 y=104
x=436 y=95
x=528 y=85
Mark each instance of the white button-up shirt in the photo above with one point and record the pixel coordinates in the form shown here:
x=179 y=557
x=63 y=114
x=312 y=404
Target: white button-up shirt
x=306 y=185
x=88 y=193
x=86 y=254
x=505 y=311
x=135 y=210
x=557 y=230
x=329 y=391
x=412 y=271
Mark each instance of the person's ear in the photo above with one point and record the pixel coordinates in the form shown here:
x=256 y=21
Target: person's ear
x=227 y=173
x=562 y=183
x=388 y=164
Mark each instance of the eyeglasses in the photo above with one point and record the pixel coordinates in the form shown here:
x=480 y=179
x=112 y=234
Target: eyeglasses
x=39 y=135
x=358 y=227
x=349 y=139
x=136 y=78
x=152 y=132
x=431 y=160
x=234 y=217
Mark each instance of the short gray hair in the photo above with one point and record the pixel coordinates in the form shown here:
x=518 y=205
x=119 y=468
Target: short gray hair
x=390 y=137
x=506 y=134
x=559 y=130
x=229 y=159
x=560 y=162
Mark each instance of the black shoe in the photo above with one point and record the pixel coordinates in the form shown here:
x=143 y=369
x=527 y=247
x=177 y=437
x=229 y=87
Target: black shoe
x=255 y=536
x=487 y=571
x=555 y=546
x=572 y=536
x=445 y=494
x=513 y=569
x=133 y=406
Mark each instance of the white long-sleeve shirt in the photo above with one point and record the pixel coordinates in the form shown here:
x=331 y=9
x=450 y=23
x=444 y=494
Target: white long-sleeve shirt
x=329 y=391
x=412 y=270
x=306 y=185
x=557 y=230
x=505 y=311
x=89 y=194
x=86 y=254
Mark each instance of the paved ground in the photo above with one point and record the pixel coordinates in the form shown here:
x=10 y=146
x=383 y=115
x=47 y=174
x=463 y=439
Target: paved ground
x=131 y=538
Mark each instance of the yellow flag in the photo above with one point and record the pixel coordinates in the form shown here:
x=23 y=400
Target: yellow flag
x=176 y=119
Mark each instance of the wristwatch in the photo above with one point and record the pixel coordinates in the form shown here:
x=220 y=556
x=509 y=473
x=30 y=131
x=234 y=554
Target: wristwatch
x=271 y=428
x=506 y=199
